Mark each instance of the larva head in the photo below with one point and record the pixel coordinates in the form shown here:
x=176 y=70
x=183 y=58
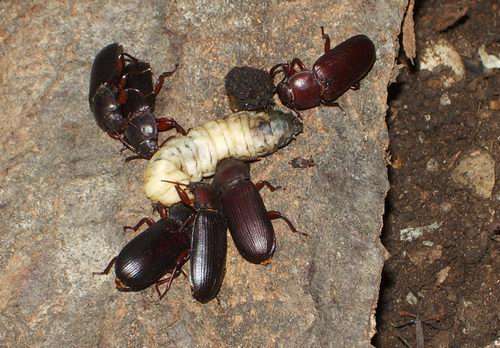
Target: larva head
x=285 y=126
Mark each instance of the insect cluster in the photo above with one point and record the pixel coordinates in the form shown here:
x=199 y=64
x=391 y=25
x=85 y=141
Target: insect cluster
x=195 y=216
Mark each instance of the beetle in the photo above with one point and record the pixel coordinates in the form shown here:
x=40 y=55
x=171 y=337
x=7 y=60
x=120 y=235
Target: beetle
x=248 y=220
x=141 y=134
x=208 y=241
x=107 y=88
x=142 y=80
x=163 y=248
x=122 y=99
x=336 y=71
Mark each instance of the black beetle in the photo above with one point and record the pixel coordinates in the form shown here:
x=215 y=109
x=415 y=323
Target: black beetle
x=208 y=243
x=122 y=98
x=163 y=248
x=248 y=220
x=336 y=71
x=142 y=80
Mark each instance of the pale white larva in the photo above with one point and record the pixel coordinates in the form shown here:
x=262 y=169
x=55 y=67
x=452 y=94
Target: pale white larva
x=191 y=157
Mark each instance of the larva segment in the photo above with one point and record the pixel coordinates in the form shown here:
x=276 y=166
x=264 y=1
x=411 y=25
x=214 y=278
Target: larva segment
x=239 y=146
x=205 y=148
x=191 y=157
x=216 y=132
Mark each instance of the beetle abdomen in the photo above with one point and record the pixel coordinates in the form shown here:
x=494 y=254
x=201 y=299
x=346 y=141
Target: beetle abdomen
x=344 y=65
x=208 y=254
x=151 y=254
x=191 y=157
x=246 y=215
x=103 y=68
x=141 y=78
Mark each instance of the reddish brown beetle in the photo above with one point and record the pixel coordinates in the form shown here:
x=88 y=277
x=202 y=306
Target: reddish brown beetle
x=247 y=218
x=336 y=71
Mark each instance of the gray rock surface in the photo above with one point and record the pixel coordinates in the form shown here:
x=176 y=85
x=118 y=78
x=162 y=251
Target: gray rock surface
x=66 y=192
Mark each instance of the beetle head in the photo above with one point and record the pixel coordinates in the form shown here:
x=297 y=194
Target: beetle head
x=142 y=134
x=285 y=92
x=300 y=91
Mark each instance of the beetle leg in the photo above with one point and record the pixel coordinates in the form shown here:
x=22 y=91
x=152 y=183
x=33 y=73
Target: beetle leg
x=161 y=282
x=161 y=209
x=139 y=72
x=126 y=146
x=161 y=79
x=120 y=286
x=274 y=70
x=183 y=195
x=114 y=136
x=122 y=93
x=169 y=284
x=177 y=269
x=273 y=214
x=134 y=157
x=146 y=220
x=132 y=58
x=289 y=70
x=107 y=269
x=260 y=184
x=326 y=38
x=355 y=86
x=120 y=63
x=335 y=104
x=327 y=103
x=187 y=222
x=298 y=62
x=166 y=123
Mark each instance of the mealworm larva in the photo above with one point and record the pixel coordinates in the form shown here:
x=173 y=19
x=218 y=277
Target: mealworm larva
x=191 y=157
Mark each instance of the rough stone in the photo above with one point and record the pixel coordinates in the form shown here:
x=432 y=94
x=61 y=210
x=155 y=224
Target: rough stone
x=439 y=54
x=427 y=256
x=66 y=191
x=476 y=171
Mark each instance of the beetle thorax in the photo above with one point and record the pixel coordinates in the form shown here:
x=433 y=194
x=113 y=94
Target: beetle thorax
x=300 y=91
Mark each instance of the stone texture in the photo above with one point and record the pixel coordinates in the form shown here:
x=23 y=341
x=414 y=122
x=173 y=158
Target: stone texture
x=66 y=191
x=477 y=172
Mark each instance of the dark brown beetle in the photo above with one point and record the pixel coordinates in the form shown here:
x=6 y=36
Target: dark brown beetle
x=163 y=248
x=107 y=88
x=248 y=220
x=208 y=243
x=336 y=71
x=122 y=98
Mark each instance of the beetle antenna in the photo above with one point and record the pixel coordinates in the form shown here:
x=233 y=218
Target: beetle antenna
x=176 y=183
